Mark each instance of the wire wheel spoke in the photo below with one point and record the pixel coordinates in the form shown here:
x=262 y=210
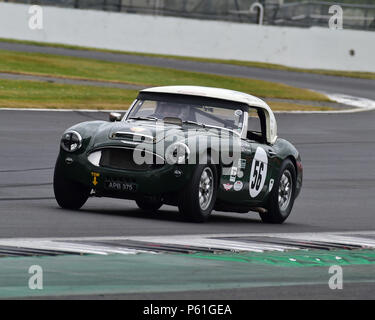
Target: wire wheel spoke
x=285 y=190
x=206 y=188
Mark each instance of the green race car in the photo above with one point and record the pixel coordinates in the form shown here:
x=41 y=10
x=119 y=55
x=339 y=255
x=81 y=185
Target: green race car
x=197 y=148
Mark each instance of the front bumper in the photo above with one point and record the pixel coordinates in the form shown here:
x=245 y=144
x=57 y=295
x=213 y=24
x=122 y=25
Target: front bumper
x=123 y=183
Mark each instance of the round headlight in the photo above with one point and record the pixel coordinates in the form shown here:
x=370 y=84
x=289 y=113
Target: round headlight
x=71 y=141
x=177 y=153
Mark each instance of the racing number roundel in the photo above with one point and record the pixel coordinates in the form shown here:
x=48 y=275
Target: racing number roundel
x=258 y=172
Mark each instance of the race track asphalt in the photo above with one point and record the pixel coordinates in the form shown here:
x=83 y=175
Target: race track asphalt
x=338 y=153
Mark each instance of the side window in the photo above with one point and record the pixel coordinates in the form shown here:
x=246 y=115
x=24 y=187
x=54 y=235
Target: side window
x=255 y=127
x=254 y=121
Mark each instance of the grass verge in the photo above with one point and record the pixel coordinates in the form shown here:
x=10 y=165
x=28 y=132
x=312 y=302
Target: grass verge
x=35 y=94
x=62 y=66
x=351 y=74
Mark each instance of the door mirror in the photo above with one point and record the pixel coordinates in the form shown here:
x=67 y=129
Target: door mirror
x=114 y=116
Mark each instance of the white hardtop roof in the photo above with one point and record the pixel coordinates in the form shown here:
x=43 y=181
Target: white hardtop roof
x=209 y=92
x=225 y=94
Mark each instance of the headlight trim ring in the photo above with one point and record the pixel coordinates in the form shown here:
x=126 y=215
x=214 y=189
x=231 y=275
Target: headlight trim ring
x=68 y=137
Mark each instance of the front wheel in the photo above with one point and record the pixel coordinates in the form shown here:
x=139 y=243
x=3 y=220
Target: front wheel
x=69 y=194
x=199 y=196
x=282 y=196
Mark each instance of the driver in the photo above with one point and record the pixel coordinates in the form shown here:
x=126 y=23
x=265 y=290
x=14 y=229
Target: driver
x=171 y=110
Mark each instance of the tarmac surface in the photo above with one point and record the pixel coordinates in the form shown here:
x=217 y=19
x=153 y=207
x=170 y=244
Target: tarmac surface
x=338 y=152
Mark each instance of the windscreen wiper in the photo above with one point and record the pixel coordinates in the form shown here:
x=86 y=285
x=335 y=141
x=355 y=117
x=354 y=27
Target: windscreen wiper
x=193 y=122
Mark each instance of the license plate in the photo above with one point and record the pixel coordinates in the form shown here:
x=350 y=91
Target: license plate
x=120 y=186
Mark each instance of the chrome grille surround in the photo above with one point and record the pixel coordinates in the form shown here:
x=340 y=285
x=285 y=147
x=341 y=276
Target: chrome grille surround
x=121 y=158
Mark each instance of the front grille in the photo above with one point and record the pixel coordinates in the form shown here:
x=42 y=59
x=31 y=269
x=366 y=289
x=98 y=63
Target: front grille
x=121 y=158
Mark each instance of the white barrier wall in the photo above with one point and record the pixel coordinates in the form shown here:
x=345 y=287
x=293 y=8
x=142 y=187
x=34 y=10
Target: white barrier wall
x=307 y=48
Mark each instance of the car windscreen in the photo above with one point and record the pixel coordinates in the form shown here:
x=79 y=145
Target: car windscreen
x=203 y=111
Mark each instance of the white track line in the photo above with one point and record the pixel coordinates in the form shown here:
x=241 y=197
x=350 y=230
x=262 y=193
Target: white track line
x=359 y=104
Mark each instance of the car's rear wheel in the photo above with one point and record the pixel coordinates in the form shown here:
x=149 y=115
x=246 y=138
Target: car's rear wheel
x=69 y=194
x=149 y=206
x=199 y=196
x=282 y=196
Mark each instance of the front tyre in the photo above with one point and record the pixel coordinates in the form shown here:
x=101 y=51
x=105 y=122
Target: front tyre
x=199 y=196
x=69 y=194
x=282 y=196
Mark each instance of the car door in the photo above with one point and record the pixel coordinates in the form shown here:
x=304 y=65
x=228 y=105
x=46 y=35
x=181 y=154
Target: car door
x=261 y=160
x=260 y=171
x=247 y=182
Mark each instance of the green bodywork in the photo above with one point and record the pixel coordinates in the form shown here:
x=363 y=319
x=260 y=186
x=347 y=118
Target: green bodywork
x=162 y=182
